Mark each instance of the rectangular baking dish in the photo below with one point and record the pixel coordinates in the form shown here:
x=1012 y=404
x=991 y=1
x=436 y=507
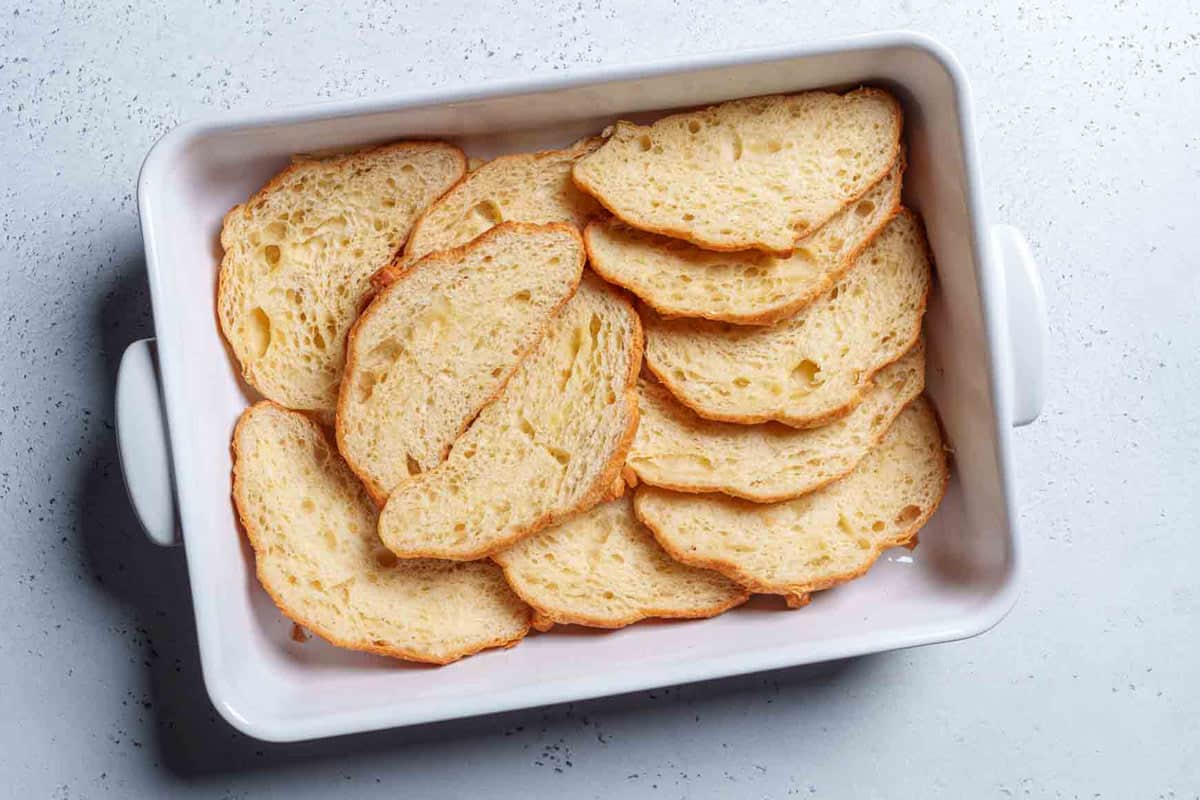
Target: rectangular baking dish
x=178 y=397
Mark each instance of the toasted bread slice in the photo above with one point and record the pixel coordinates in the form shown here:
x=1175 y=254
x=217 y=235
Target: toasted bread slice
x=756 y=173
x=603 y=568
x=526 y=187
x=812 y=368
x=676 y=449
x=312 y=527
x=821 y=539
x=299 y=256
x=552 y=445
x=748 y=287
x=436 y=346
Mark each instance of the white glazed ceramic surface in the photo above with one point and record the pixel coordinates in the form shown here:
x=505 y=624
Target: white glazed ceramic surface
x=960 y=581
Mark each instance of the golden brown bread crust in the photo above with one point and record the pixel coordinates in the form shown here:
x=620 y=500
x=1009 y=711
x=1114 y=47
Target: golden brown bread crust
x=252 y=535
x=797 y=594
x=897 y=115
x=433 y=261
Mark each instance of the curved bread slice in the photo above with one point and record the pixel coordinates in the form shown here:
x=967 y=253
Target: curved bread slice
x=526 y=187
x=551 y=446
x=756 y=173
x=299 y=256
x=440 y=343
x=604 y=569
x=814 y=367
x=748 y=287
x=312 y=528
x=818 y=540
x=676 y=449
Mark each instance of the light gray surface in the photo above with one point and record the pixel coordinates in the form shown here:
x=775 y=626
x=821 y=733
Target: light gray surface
x=1088 y=117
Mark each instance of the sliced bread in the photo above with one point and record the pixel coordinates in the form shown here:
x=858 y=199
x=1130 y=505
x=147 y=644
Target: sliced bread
x=603 y=568
x=676 y=449
x=812 y=368
x=312 y=528
x=299 y=256
x=821 y=539
x=526 y=187
x=552 y=445
x=757 y=173
x=748 y=287
x=440 y=343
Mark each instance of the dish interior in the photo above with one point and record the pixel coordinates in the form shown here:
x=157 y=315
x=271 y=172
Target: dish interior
x=957 y=582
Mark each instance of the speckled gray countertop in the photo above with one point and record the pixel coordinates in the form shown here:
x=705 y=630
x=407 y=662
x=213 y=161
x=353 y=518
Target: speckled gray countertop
x=1089 y=120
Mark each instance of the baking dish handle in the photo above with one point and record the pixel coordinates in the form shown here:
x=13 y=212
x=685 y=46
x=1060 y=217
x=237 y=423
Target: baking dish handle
x=143 y=445
x=1027 y=323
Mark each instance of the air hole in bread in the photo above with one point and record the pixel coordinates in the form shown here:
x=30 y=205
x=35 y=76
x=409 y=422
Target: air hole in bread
x=807 y=371
x=412 y=466
x=522 y=296
x=864 y=207
x=878 y=525
x=487 y=212
x=693 y=126
x=272 y=253
x=908 y=515
x=736 y=147
x=644 y=142
x=259 y=332
x=365 y=386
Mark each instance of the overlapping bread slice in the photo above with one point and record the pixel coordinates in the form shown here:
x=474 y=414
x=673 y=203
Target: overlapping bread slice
x=438 y=344
x=812 y=368
x=676 y=449
x=820 y=539
x=603 y=568
x=551 y=445
x=747 y=287
x=756 y=173
x=300 y=253
x=526 y=187
x=312 y=527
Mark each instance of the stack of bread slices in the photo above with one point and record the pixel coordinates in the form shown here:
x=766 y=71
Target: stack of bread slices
x=644 y=376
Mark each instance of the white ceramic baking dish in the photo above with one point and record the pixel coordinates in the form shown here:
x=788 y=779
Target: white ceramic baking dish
x=177 y=400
